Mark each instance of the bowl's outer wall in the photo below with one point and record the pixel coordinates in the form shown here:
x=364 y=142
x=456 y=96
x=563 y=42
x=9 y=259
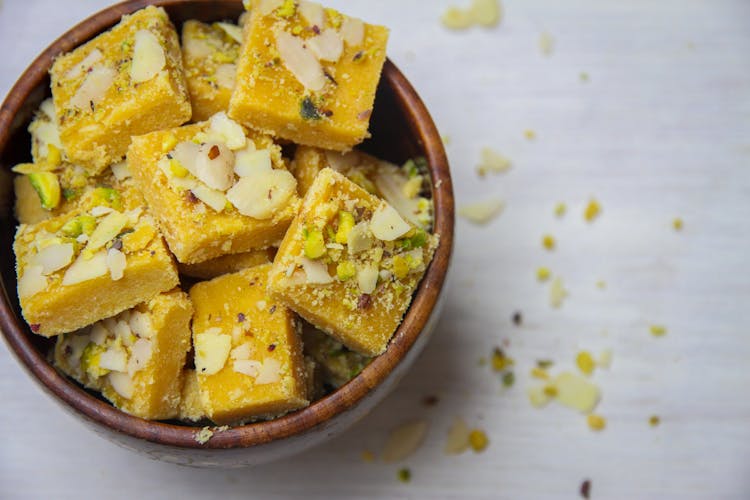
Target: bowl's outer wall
x=401 y=129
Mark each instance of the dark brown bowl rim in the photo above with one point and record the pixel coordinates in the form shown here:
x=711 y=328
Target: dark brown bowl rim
x=18 y=336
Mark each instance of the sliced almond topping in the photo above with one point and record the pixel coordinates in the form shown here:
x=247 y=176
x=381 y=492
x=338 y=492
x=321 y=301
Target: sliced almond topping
x=248 y=163
x=211 y=197
x=353 y=31
x=390 y=180
x=387 y=224
x=458 y=437
x=481 y=212
x=53 y=257
x=486 y=13
x=214 y=165
x=300 y=61
x=211 y=351
x=242 y=351
x=148 y=57
x=86 y=269
x=249 y=367
x=116 y=263
x=226 y=75
x=262 y=195
x=229 y=131
x=269 y=373
x=98 y=333
x=32 y=281
x=109 y=227
x=121 y=170
x=327 y=46
x=140 y=354
x=358 y=239
x=234 y=31
x=114 y=359
x=404 y=440
x=93 y=88
x=367 y=278
x=89 y=61
x=140 y=324
x=313 y=13
x=265 y=7
x=121 y=383
x=316 y=271
x=576 y=392
x=196 y=47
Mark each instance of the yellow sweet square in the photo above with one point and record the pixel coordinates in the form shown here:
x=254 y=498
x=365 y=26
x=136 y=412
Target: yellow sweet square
x=134 y=358
x=214 y=190
x=350 y=263
x=209 y=52
x=127 y=81
x=248 y=352
x=308 y=74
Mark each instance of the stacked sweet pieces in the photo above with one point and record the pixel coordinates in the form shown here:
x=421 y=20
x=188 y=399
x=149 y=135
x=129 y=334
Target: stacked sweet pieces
x=126 y=193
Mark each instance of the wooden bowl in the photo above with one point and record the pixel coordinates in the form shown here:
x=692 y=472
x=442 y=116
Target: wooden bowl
x=401 y=128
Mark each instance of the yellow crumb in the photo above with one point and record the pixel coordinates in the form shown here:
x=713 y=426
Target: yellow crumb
x=546 y=43
x=601 y=284
x=557 y=292
x=560 y=209
x=654 y=420
x=677 y=224
x=658 y=330
x=478 y=440
x=537 y=372
x=367 y=456
x=596 y=422
x=446 y=139
x=550 y=390
x=500 y=361
x=593 y=209
x=529 y=134
x=585 y=362
x=548 y=242
x=543 y=274
x=584 y=77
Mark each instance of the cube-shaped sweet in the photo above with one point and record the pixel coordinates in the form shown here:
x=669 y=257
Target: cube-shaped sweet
x=209 y=52
x=407 y=187
x=308 y=74
x=350 y=263
x=248 y=352
x=191 y=408
x=134 y=358
x=214 y=190
x=90 y=264
x=127 y=81
x=227 y=263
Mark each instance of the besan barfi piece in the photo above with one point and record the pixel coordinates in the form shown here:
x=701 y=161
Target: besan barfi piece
x=350 y=263
x=209 y=52
x=308 y=74
x=227 y=264
x=248 y=352
x=90 y=264
x=407 y=188
x=135 y=358
x=214 y=190
x=127 y=81
x=191 y=408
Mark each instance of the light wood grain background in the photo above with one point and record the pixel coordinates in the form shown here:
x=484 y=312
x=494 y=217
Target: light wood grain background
x=662 y=129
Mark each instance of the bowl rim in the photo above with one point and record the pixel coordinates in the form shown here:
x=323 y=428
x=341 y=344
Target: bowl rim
x=18 y=336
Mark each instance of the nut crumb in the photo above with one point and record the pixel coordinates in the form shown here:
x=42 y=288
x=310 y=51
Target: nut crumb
x=560 y=209
x=658 y=330
x=593 y=209
x=543 y=274
x=203 y=435
x=529 y=134
x=677 y=224
x=478 y=440
x=654 y=420
x=596 y=422
x=548 y=242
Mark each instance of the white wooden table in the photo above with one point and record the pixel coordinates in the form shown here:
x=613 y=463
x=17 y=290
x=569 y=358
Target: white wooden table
x=662 y=129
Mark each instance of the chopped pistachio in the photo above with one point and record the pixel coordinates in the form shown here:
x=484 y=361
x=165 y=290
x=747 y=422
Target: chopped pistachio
x=404 y=475
x=416 y=240
x=560 y=209
x=501 y=362
x=346 y=223
x=478 y=440
x=544 y=363
x=543 y=274
x=346 y=270
x=596 y=422
x=308 y=110
x=168 y=143
x=315 y=245
x=540 y=373
x=548 y=242
x=107 y=196
x=47 y=187
x=658 y=330
x=287 y=9
x=509 y=378
x=592 y=211
x=585 y=362
x=584 y=77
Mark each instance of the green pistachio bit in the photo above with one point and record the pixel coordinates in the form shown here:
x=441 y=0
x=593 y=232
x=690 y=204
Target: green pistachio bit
x=315 y=245
x=509 y=378
x=69 y=193
x=346 y=223
x=72 y=228
x=346 y=270
x=404 y=475
x=90 y=360
x=417 y=240
x=108 y=196
x=308 y=110
x=415 y=166
x=88 y=223
x=287 y=9
x=47 y=187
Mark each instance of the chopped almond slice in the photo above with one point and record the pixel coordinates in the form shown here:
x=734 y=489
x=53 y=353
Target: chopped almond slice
x=458 y=437
x=482 y=212
x=557 y=292
x=546 y=43
x=575 y=392
x=404 y=440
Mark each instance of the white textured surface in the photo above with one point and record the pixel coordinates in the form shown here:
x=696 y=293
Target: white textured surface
x=662 y=129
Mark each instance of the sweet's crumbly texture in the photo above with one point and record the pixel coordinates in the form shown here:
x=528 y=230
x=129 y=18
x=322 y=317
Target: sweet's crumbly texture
x=407 y=188
x=97 y=135
x=58 y=308
x=210 y=57
x=152 y=387
x=191 y=408
x=327 y=289
x=271 y=99
x=265 y=344
x=227 y=264
x=195 y=232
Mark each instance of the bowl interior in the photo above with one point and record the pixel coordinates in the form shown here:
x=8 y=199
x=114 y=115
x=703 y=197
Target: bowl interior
x=401 y=128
